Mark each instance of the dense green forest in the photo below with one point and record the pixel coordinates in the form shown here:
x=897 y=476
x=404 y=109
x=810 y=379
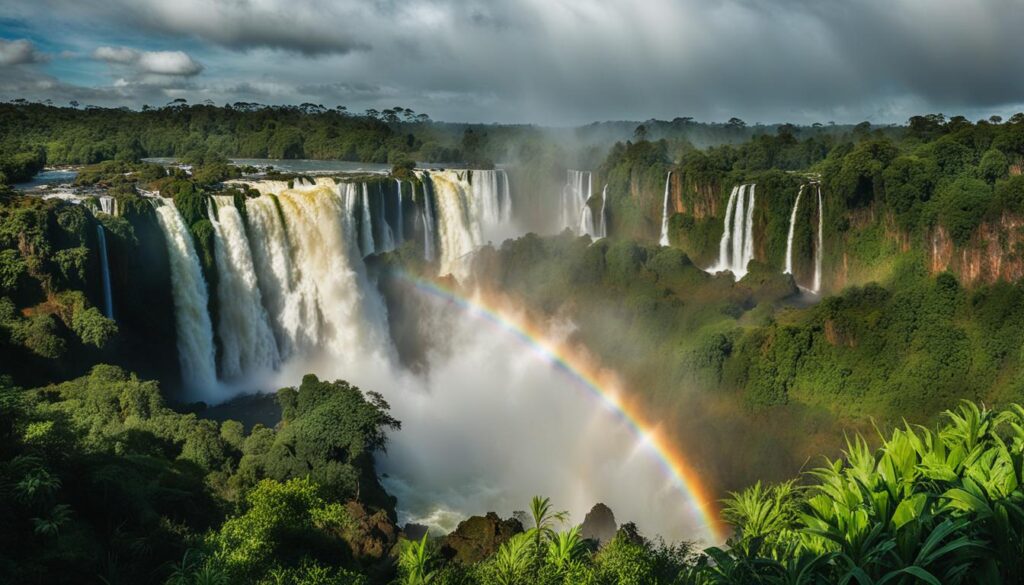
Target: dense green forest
x=106 y=477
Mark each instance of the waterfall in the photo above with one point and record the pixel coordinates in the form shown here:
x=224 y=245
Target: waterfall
x=602 y=230
x=506 y=207
x=271 y=254
x=575 y=195
x=723 y=245
x=247 y=342
x=386 y=235
x=341 y=316
x=193 y=327
x=108 y=299
x=366 y=225
x=400 y=232
x=492 y=203
x=427 y=215
x=664 y=212
x=108 y=205
x=458 y=226
x=748 y=232
x=587 y=221
x=789 y=238
x=821 y=242
x=736 y=248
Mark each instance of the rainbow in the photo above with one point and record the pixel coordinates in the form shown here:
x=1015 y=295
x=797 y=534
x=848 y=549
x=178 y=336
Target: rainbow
x=590 y=380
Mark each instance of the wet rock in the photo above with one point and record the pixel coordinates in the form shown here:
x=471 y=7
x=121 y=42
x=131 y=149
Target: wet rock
x=599 y=524
x=478 y=537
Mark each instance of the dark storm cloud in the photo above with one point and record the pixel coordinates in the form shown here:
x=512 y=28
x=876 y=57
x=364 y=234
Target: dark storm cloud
x=565 y=62
x=19 y=52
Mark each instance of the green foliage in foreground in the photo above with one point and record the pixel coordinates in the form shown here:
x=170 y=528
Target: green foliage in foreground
x=101 y=482
x=938 y=506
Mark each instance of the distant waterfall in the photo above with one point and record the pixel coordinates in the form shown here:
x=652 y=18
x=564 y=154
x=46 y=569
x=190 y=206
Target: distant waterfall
x=490 y=191
x=736 y=249
x=575 y=195
x=108 y=205
x=748 y=232
x=789 y=238
x=108 y=299
x=602 y=230
x=587 y=221
x=194 y=330
x=400 y=231
x=366 y=225
x=247 y=342
x=664 y=212
x=821 y=242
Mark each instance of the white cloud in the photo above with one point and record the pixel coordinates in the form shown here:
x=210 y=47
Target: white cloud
x=177 y=63
x=20 y=52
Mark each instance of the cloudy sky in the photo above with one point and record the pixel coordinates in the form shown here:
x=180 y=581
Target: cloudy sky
x=545 y=61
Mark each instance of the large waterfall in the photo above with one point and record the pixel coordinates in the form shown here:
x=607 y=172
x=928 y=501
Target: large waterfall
x=292 y=265
x=108 y=298
x=736 y=248
x=821 y=242
x=789 y=237
x=291 y=316
x=458 y=226
x=247 y=342
x=193 y=327
x=664 y=212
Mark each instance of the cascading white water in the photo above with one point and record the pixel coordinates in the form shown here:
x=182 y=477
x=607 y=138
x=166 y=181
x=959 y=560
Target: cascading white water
x=387 y=237
x=492 y=203
x=789 y=237
x=458 y=227
x=587 y=221
x=108 y=205
x=428 y=217
x=193 y=327
x=108 y=298
x=664 y=212
x=736 y=248
x=575 y=195
x=483 y=383
x=726 y=241
x=271 y=253
x=339 y=316
x=366 y=225
x=821 y=242
x=247 y=343
x=602 y=230
x=748 y=232
x=400 y=231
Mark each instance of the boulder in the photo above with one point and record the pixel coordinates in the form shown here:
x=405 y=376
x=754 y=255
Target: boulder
x=478 y=537
x=599 y=524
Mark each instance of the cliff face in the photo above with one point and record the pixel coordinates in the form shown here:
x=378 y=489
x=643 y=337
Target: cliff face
x=699 y=200
x=995 y=252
